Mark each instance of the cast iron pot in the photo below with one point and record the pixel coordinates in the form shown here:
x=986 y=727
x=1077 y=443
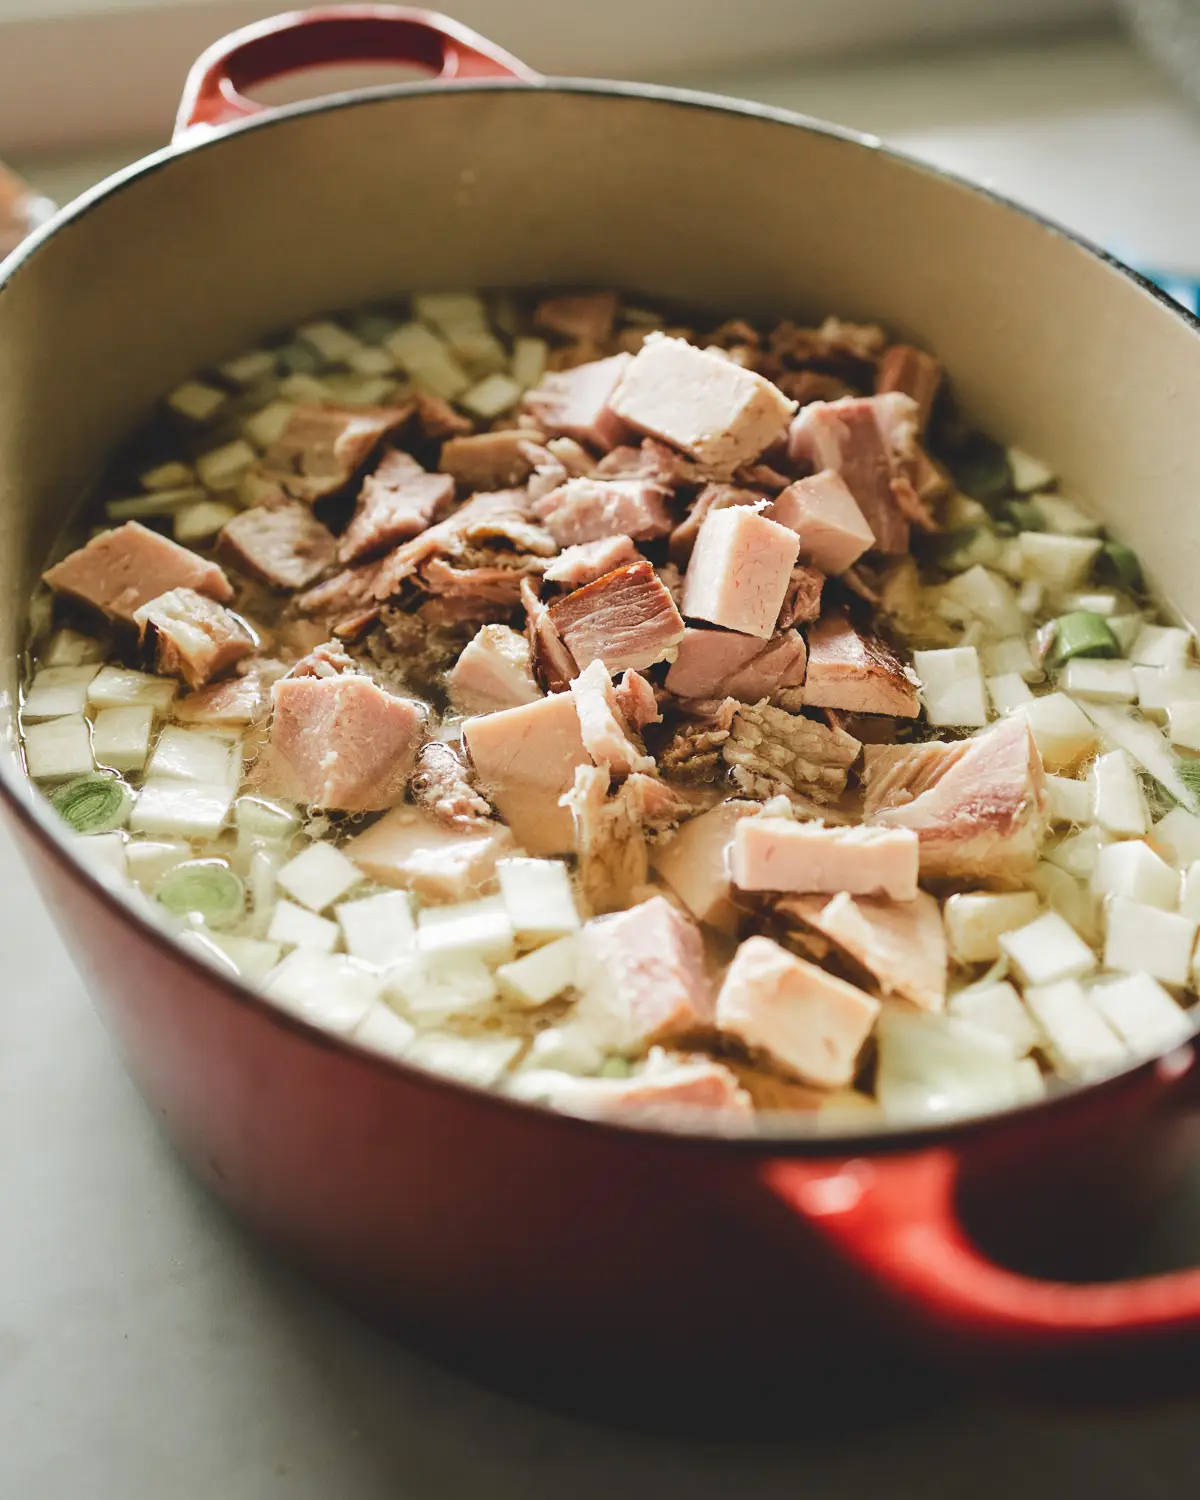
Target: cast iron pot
x=605 y=1266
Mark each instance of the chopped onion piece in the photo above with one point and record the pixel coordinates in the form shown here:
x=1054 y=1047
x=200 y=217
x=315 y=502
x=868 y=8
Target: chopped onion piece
x=494 y=394
x=1133 y=871
x=221 y=468
x=1067 y=800
x=206 y=888
x=58 y=749
x=325 y=989
x=478 y=1060
x=265 y=426
x=1064 y=734
x=57 y=691
x=1008 y=693
x=253 y=958
x=1118 y=804
x=169 y=476
x=383 y=1031
x=1077 y=853
x=1183 y=723
x=196 y=401
x=1177 y=836
x=378 y=930
x=194 y=524
x=541 y=975
x=121 y=736
x=117 y=687
x=294 y=927
x=1079 y=1040
x=976 y=920
x=196 y=755
x=149 y=860
x=1047 y=950
x=319 y=876
x=952 y=686
x=1010 y=656
x=1145 y=939
x=474 y=929
x=1145 y=744
x=1100 y=681
x=1059 y=562
x=940 y=1065
x=538 y=897
x=997 y=1009
x=1141 y=1012
x=529 y=362
x=1162 y=646
x=191 y=809
x=93 y=804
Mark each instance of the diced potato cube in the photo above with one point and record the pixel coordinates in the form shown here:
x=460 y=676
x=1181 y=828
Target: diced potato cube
x=528 y=361
x=1133 y=870
x=383 y=1031
x=1077 y=854
x=1065 y=519
x=1176 y=836
x=326 y=989
x=319 y=876
x=194 y=755
x=253 y=958
x=997 y=1008
x=1047 y=950
x=1158 y=688
x=1078 y=1038
x=295 y=927
x=1100 y=681
x=1145 y=939
x=58 y=748
x=56 y=691
x=1162 y=646
x=1007 y=693
x=1189 y=896
x=1118 y=803
x=1183 y=723
x=479 y=1060
x=976 y=920
x=541 y=975
x=104 y=853
x=70 y=648
x=1064 y=734
x=952 y=686
x=1060 y=562
x=429 y=362
x=379 y=930
x=538 y=897
x=478 y=929
x=1068 y=800
x=1141 y=1012
x=1001 y=658
x=191 y=809
x=121 y=736
x=117 y=687
x=332 y=342
x=429 y=989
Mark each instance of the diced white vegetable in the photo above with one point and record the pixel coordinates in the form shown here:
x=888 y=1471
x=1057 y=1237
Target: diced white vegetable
x=1094 y=601
x=256 y=489
x=1078 y=852
x=1068 y=800
x=529 y=362
x=1078 y=1038
x=190 y=809
x=361 y=390
x=370 y=362
x=542 y=974
x=1060 y=562
x=1100 y=681
x=1126 y=628
x=156 y=503
x=987 y=597
x=58 y=748
x=1141 y=1012
x=1144 y=939
x=1010 y=656
x=221 y=468
x=248 y=368
x=104 y=853
x=261 y=869
x=1133 y=870
x=1064 y=734
x=295 y=927
x=430 y=988
x=494 y=394
x=538 y=897
x=1145 y=744
x=1028 y=473
x=960 y=512
x=1183 y=723
x=378 y=930
x=473 y=929
x=302 y=387
x=1007 y=693
x=452 y=313
x=253 y=958
x=940 y=1065
x=170 y=476
x=117 y=687
x=1159 y=687
x=976 y=920
x=197 y=523
x=1031 y=596
x=1047 y=950
x=427 y=359
x=952 y=686
x=1162 y=646
x=1070 y=898
x=332 y=342
x=196 y=401
x=148 y=860
x=319 y=876
x=1118 y=805
x=1177 y=836
x=260 y=820
x=569 y=1048
x=56 y=691
x=326 y=989
x=121 y=736
x=1064 y=518
x=997 y=1009
x=70 y=648
x=478 y=1060
x=196 y=755
x=1189 y=896
x=978 y=544
x=383 y=1031
x=265 y=426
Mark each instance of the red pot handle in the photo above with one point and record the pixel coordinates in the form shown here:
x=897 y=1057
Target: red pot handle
x=896 y=1219
x=215 y=92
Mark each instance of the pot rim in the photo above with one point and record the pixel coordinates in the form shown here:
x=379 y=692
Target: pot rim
x=33 y=811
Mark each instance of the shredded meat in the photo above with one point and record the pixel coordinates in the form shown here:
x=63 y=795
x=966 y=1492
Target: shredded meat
x=694 y=753
x=441 y=783
x=553 y=665
x=770 y=750
x=610 y=840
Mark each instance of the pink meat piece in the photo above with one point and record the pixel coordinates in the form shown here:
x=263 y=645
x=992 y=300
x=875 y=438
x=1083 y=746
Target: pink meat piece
x=625 y=619
x=739 y=573
x=802 y=602
x=442 y=783
x=192 y=636
x=489 y=460
x=781 y=665
x=870 y=441
x=694 y=861
x=914 y=373
x=706 y=658
x=397 y=502
x=826 y=517
x=778 y=854
x=485 y=586
x=493 y=671
x=675 y=1091
x=856 y=672
x=327 y=659
x=237 y=700
x=498 y=515
x=902 y=944
x=525 y=760
x=322 y=447
x=282 y=545
x=602 y=723
x=589 y=315
x=438 y=420
x=341 y=743
x=346 y=593
x=587 y=561
x=573 y=457
x=575 y=403
x=638 y=701
x=585 y=510
x=807 y=1022
x=119 y=571
x=643 y=975
x=711 y=497
x=978 y=806
x=411 y=849
x=714 y=410
x=651 y=460
x=546 y=471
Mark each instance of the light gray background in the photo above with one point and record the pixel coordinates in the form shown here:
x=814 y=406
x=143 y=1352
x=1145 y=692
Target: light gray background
x=148 y=1349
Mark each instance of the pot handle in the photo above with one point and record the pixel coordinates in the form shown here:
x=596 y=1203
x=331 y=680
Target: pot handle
x=896 y=1220
x=215 y=91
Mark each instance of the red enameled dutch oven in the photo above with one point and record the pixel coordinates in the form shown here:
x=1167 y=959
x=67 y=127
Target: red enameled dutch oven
x=596 y=1264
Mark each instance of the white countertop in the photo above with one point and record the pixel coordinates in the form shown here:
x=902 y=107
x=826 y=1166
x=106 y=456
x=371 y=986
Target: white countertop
x=148 y=1349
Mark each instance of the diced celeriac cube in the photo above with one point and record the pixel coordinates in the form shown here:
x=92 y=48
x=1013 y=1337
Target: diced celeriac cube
x=1145 y=939
x=1176 y=836
x=1160 y=687
x=104 y=853
x=148 y=860
x=538 y=897
x=528 y=361
x=58 y=748
x=326 y=989
x=318 y=876
x=265 y=426
x=1064 y=734
x=998 y=1009
x=428 y=360
x=478 y=1060
x=985 y=596
x=1118 y=804
x=1059 y=562
x=494 y=394
x=1133 y=870
x=1189 y=896
x=1028 y=473
x=1141 y=1012
x=1068 y=800
x=477 y=929
x=383 y=1031
x=221 y=468
x=253 y=958
x=261 y=820
x=1070 y=898
x=1101 y=681
x=121 y=736
x=170 y=476
x=1078 y=1038
x=70 y=648
x=249 y=368
x=429 y=989
x=1183 y=723
x=115 y=687
x=56 y=691
x=1065 y=519
x=378 y=930
x=295 y=927
x=1162 y=646
x=541 y=975
x=190 y=809
x=1007 y=693
x=195 y=755
x=196 y=401
x=1047 y=950
x=1012 y=655
x=194 y=524
x=1078 y=852
x=975 y=921
x=952 y=686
